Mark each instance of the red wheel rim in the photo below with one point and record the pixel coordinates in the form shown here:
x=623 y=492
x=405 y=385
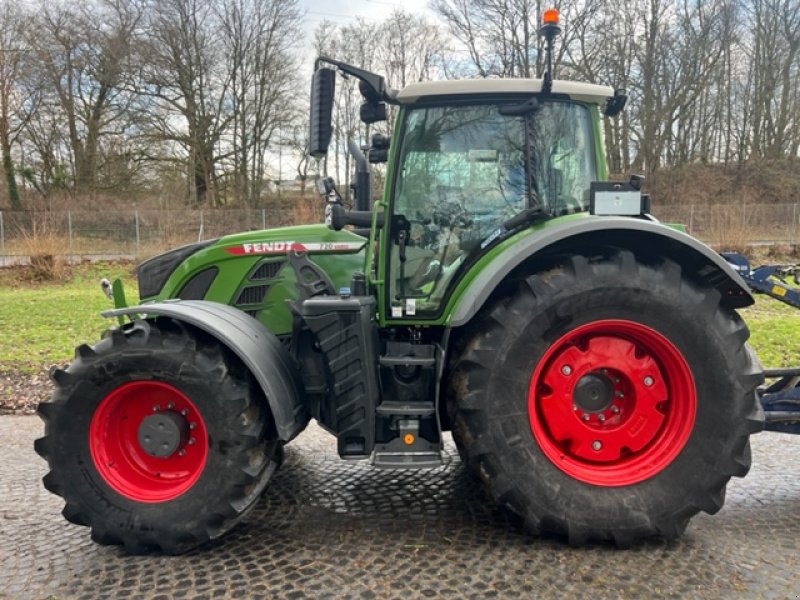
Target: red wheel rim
x=612 y=402
x=121 y=460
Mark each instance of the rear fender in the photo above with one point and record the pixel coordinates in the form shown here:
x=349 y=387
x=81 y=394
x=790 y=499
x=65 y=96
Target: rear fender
x=577 y=236
x=257 y=348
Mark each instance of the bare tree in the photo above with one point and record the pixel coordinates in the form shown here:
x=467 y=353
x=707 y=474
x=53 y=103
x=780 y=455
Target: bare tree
x=81 y=57
x=259 y=37
x=182 y=72
x=500 y=36
x=774 y=68
x=12 y=54
x=408 y=49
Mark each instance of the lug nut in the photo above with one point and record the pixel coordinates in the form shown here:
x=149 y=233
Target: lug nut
x=648 y=381
x=585 y=417
x=185 y=412
x=615 y=409
x=181 y=452
x=566 y=370
x=191 y=441
x=601 y=418
x=156 y=408
x=597 y=445
x=192 y=425
x=171 y=405
x=619 y=394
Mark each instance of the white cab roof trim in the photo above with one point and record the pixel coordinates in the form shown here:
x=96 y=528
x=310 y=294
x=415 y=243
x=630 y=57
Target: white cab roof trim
x=583 y=92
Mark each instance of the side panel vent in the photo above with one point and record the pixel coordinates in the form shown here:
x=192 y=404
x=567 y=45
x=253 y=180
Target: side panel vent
x=252 y=295
x=197 y=287
x=267 y=270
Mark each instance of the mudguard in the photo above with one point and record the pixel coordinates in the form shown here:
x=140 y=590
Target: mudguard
x=637 y=235
x=259 y=350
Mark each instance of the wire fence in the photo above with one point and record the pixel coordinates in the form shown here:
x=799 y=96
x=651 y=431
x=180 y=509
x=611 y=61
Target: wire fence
x=121 y=234
x=139 y=233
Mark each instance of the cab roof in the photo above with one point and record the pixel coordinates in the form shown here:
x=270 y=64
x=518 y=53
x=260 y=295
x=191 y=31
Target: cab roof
x=582 y=92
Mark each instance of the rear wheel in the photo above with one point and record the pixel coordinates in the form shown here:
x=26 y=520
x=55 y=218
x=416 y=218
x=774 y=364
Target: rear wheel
x=157 y=438
x=607 y=399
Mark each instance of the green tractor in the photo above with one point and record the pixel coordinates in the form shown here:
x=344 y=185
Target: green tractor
x=588 y=360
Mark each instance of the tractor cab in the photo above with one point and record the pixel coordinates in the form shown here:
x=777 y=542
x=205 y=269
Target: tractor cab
x=463 y=169
x=471 y=163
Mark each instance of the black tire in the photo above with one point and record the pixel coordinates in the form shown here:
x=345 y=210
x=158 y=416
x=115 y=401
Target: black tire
x=493 y=417
x=240 y=447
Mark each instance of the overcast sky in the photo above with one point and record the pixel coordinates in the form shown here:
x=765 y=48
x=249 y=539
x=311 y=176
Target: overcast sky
x=345 y=11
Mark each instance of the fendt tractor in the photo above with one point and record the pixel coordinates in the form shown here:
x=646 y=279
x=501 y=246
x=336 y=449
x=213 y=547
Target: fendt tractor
x=588 y=360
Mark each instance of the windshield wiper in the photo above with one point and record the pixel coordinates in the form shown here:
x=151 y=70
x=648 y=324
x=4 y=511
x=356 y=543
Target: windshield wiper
x=526 y=217
x=520 y=110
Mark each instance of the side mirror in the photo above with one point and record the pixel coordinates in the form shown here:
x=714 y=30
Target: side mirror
x=323 y=86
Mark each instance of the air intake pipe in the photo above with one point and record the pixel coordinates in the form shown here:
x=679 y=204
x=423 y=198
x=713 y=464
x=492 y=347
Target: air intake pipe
x=362 y=185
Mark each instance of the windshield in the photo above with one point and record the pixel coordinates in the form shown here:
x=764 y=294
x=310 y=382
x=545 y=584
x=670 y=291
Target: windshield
x=464 y=170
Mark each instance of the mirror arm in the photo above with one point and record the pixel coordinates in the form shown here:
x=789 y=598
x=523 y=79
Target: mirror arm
x=374 y=81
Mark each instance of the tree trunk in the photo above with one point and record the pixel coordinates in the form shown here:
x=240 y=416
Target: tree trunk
x=8 y=170
x=8 y=165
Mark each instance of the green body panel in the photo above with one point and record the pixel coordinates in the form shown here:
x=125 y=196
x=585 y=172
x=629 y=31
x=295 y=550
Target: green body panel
x=234 y=269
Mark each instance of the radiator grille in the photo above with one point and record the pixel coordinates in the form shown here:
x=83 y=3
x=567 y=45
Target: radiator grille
x=252 y=295
x=267 y=270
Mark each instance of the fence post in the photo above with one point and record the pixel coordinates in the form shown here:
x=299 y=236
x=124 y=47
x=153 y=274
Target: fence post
x=793 y=232
x=69 y=230
x=691 y=219
x=2 y=235
x=136 y=220
x=202 y=227
x=263 y=218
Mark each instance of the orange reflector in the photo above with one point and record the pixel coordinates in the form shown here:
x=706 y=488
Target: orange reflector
x=408 y=438
x=550 y=16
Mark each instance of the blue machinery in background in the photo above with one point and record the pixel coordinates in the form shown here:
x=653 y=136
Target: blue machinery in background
x=780 y=397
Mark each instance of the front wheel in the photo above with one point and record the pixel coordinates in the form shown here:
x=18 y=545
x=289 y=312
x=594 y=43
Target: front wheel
x=607 y=399
x=157 y=438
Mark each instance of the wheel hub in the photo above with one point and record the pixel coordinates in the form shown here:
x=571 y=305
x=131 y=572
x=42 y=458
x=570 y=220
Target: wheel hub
x=148 y=441
x=612 y=402
x=161 y=434
x=593 y=392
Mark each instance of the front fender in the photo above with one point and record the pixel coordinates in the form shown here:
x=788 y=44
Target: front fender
x=583 y=235
x=257 y=348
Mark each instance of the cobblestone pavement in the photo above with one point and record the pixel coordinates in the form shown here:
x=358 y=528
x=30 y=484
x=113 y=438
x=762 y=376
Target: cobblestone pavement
x=328 y=528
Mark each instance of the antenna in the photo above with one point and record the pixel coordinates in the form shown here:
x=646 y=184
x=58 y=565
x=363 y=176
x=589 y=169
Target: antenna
x=549 y=30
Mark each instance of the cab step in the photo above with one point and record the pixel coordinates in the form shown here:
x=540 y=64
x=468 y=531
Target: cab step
x=407 y=460
x=409 y=449
x=405 y=409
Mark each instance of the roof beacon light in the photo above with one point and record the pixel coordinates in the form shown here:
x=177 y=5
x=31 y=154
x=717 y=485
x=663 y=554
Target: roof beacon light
x=550 y=16
x=549 y=30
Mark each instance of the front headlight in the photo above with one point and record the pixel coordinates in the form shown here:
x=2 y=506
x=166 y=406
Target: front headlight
x=154 y=272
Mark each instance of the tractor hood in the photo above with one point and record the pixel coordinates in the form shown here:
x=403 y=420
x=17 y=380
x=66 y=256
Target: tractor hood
x=250 y=270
